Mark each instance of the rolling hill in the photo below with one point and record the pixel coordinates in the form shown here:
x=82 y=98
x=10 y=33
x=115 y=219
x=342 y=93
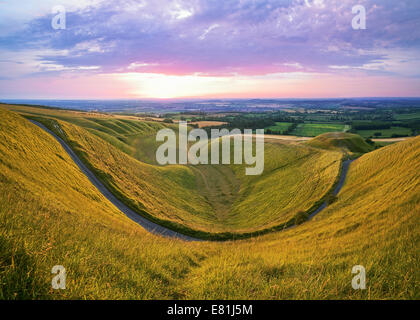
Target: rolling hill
x=351 y=143
x=50 y=214
x=206 y=201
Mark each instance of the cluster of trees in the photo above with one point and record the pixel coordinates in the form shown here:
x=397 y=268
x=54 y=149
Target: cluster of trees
x=371 y=125
x=269 y=131
x=412 y=124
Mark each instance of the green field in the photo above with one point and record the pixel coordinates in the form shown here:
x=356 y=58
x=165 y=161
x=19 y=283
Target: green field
x=407 y=116
x=315 y=129
x=51 y=214
x=279 y=127
x=385 y=133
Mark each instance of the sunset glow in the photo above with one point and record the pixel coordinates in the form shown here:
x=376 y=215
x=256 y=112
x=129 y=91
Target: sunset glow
x=176 y=49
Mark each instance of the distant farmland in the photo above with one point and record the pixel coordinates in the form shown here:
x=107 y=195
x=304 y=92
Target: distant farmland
x=385 y=133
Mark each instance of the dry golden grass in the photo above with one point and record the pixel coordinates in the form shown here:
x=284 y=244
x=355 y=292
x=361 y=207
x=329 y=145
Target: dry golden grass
x=50 y=214
x=211 y=199
x=295 y=178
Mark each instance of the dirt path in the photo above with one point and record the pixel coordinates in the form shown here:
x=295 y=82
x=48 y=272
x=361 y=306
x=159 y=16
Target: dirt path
x=146 y=224
x=345 y=169
x=390 y=139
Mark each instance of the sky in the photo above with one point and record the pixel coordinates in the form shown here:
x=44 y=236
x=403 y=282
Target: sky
x=164 y=49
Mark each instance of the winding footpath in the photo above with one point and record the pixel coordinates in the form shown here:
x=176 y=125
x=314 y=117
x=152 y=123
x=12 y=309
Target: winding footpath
x=145 y=223
x=345 y=169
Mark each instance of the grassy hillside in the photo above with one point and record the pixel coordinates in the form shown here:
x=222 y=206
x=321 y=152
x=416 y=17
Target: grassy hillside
x=295 y=179
x=50 y=214
x=349 y=142
x=171 y=193
x=126 y=133
x=374 y=223
x=210 y=198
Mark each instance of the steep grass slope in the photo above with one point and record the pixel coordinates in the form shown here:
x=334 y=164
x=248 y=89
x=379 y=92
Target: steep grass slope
x=216 y=199
x=50 y=215
x=126 y=133
x=170 y=193
x=375 y=223
x=295 y=179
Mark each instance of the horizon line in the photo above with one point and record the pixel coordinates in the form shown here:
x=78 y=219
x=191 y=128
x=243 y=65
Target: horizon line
x=204 y=99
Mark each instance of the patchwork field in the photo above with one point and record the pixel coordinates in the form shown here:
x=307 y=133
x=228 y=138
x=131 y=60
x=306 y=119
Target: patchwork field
x=50 y=214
